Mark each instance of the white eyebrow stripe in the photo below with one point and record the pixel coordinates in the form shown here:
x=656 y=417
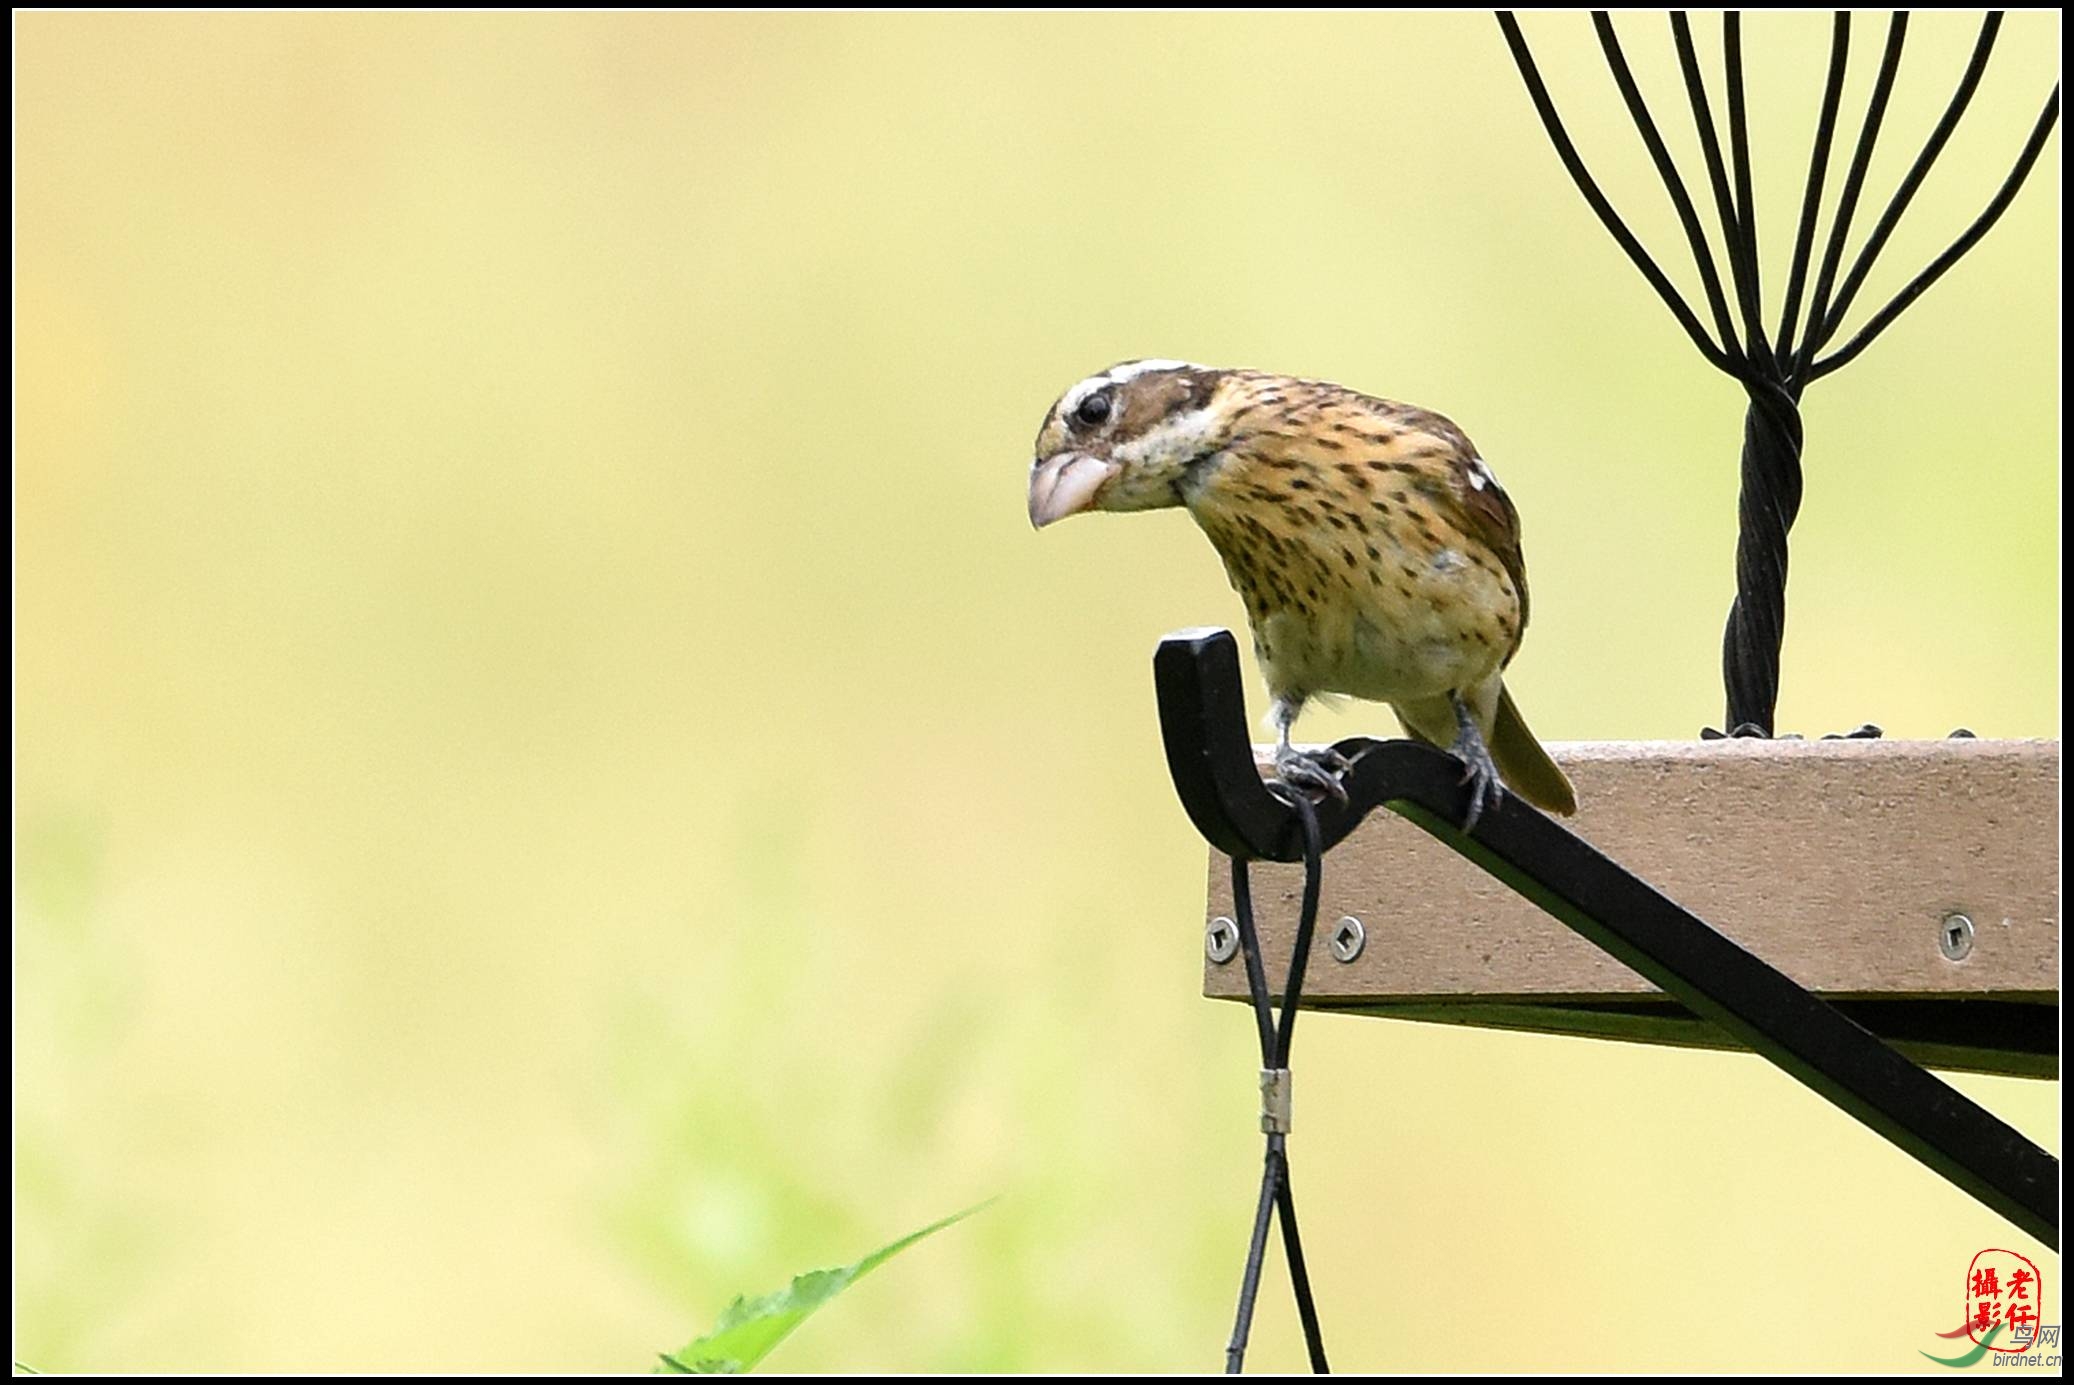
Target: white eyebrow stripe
x=1079 y=392
x=1118 y=375
x=1131 y=370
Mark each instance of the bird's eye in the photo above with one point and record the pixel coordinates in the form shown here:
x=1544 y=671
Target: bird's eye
x=1094 y=410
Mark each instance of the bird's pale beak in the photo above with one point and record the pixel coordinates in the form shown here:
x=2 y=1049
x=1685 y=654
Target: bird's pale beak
x=1066 y=484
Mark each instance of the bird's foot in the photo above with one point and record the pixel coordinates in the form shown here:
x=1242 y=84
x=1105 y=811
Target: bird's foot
x=1315 y=772
x=1485 y=789
x=1479 y=770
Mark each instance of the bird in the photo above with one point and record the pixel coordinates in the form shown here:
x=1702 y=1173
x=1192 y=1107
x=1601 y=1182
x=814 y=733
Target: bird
x=1374 y=550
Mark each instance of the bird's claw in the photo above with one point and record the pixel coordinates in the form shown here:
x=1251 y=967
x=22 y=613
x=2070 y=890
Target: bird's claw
x=1313 y=771
x=1479 y=770
x=1485 y=789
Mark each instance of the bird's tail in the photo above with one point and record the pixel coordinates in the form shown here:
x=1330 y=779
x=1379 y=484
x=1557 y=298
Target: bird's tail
x=1525 y=765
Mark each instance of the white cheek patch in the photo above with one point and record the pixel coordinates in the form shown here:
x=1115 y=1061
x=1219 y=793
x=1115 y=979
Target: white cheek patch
x=1178 y=438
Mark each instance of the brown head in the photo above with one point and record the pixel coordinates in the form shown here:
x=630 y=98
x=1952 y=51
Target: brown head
x=1130 y=438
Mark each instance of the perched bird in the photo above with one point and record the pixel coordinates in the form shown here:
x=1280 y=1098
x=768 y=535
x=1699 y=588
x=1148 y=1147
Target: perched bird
x=1376 y=553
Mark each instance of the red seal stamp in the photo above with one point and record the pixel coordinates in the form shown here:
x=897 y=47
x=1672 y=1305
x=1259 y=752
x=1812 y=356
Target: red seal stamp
x=2002 y=1289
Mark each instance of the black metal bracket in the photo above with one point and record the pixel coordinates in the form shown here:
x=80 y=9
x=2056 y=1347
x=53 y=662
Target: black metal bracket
x=1210 y=755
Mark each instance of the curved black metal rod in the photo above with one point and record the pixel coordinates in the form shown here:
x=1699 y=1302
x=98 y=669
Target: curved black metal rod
x=1737 y=222
x=1883 y=229
x=1203 y=722
x=1774 y=376
x=1982 y=224
x=1674 y=185
x=1818 y=173
x=1573 y=163
x=1854 y=182
x=1739 y=150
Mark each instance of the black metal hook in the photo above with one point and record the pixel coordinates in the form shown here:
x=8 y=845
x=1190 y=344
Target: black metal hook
x=1203 y=722
x=1202 y=717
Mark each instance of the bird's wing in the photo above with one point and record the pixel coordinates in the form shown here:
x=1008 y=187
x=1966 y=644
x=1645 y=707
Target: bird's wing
x=1465 y=491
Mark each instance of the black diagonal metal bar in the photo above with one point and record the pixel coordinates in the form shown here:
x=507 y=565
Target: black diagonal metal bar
x=1203 y=724
x=1773 y=376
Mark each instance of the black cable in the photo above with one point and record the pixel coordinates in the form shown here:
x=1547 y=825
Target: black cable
x=1256 y=1251
x=1299 y=1277
x=1276 y=1196
x=1249 y=949
x=1306 y=923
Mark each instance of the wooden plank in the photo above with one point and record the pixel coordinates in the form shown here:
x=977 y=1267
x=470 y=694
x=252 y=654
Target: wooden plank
x=1836 y=861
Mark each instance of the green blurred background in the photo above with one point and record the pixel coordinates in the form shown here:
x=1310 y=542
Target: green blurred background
x=554 y=783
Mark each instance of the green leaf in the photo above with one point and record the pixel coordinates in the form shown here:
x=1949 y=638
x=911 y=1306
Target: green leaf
x=750 y=1327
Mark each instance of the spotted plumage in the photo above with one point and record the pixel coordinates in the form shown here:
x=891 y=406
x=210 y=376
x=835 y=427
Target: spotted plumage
x=1375 y=552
